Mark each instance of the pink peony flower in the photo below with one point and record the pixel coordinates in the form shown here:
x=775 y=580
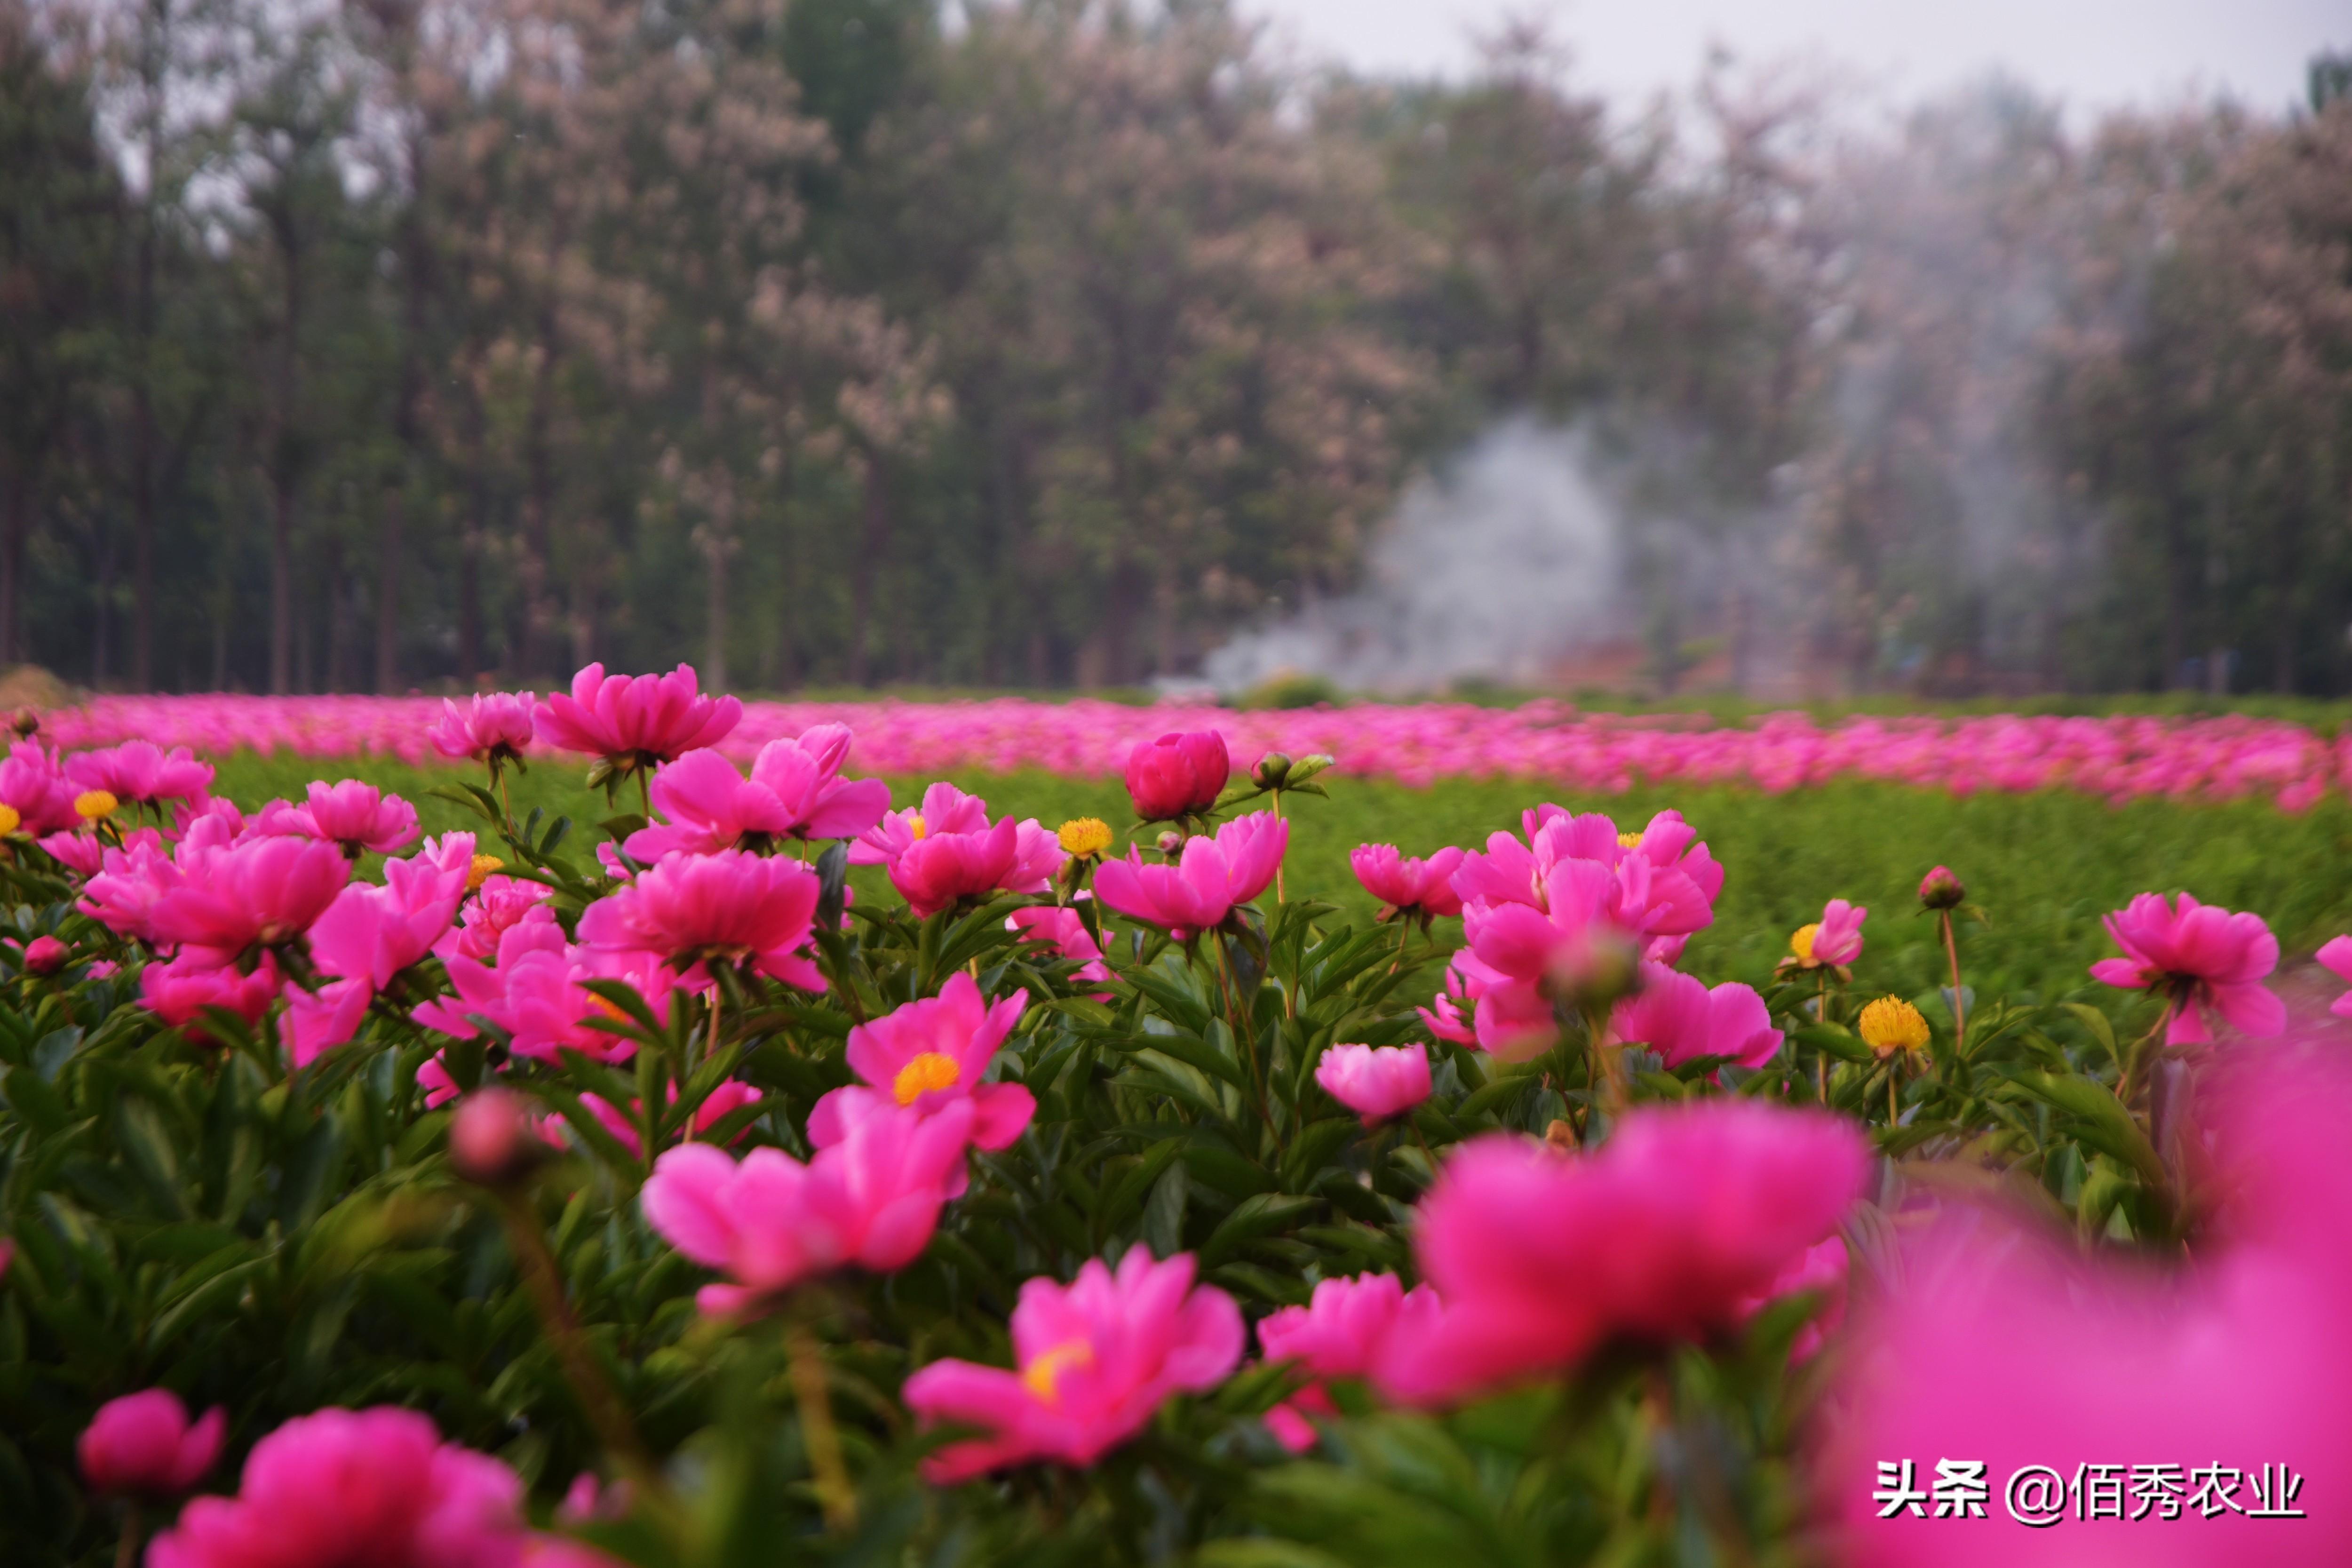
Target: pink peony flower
x=1378 y=1083
x=1049 y=925
x=536 y=994
x=371 y=933
x=122 y=895
x=353 y=813
x=1837 y=937
x=264 y=892
x=341 y=1488
x=1342 y=1332
x=495 y=727
x=44 y=955
x=1587 y=916
x=501 y=903
x=1097 y=1358
x=2204 y=959
x=939 y=868
x=795 y=791
x=83 y=854
x=1178 y=774
x=1682 y=1020
x=1407 y=886
x=871 y=1201
x=928 y=1055
x=1664 y=1234
x=2336 y=958
x=493 y=1138
x=1667 y=883
x=317 y=1021
x=732 y=905
x=944 y=809
x=179 y=991
x=1940 y=889
x=1200 y=889
x=143 y=1445
x=635 y=723
x=141 y=772
x=35 y=788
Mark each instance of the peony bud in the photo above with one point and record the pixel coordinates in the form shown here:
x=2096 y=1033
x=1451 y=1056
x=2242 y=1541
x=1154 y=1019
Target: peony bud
x=1939 y=889
x=27 y=723
x=1172 y=844
x=44 y=955
x=1273 y=770
x=144 y=1444
x=1178 y=774
x=490 y=1140
x=1596 y=968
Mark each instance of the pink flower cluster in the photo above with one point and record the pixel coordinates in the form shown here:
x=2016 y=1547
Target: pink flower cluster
x=2116 y=758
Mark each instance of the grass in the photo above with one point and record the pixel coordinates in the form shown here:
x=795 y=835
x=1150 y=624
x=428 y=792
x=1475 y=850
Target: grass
x=2043 y=866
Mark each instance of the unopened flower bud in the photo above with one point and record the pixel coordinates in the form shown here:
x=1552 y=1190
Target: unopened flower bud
x=44 y=955
x=1273 y=770
x=1561 y=1135
x=490 y=1140
x=1939 y=889
x=1171 y=843
x=26 y=723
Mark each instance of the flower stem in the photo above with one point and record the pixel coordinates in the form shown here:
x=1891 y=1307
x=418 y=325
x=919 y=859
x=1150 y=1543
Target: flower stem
x=126 y=1554
x=1952 y=951
x=806 y=1364
x=1277 y=795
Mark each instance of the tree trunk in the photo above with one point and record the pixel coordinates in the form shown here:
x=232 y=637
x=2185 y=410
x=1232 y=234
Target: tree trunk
x=281 y=586
x=387 y=592
x=16 y=516
x=872 y=548
x=282 y=471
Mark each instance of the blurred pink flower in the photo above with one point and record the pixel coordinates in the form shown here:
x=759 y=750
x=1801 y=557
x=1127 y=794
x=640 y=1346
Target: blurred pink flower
x=795 y=791
x=1378 y=1083
x=495 y=727
x=1680 y=1019
x=870 y=1202
x=535 y=992
x=1994 y=1343
x=178 y=992
x=1342 y=1332
x=264 y=892
x=2202 y=958
x=1178 y=774
x=730 y=1096
x=317 y=1021
x=495 y=1137
x=732 y=905
x=1821 y=1268
x=44 y=955
x=122 y=895
x=930 y=1053
x=343 y=1487
x=1406 y=885
x=2335 y=957
x=1096 y=1359
x=1663 y=1234
x=634 y=721
x=1664 y=884
x=141 y=772
x=143 y=1445
x=1213 y=875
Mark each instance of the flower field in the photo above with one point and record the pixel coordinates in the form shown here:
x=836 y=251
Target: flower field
x=631 y=1126
x=1550 y=743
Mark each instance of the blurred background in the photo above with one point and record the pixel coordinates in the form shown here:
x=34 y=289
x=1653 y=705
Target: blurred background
x=1794 y=351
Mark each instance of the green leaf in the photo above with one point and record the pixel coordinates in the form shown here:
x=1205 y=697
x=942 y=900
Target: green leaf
x=1252 y=1217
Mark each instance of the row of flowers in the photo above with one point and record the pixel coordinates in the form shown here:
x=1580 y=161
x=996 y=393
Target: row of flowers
x=1683 y=1224
x=2118 y=758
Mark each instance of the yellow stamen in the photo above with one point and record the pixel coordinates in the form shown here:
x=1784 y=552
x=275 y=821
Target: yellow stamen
x=92 y=804
x=479 y=869
x=1801 y=942
x=931 y=1070
x=1629 y=841
x=1890 y=1024
x=10 y=820
x=915 y=823
x=1043 y=1375
x=1084 y=836
x=600 y=1004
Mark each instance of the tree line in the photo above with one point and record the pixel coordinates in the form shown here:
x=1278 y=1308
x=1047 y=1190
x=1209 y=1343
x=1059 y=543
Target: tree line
x=408 y=342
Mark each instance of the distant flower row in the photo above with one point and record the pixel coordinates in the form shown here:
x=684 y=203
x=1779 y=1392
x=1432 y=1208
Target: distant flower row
x=2120 y=758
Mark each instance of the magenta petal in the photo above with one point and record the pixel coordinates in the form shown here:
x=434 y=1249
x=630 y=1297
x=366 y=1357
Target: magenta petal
x=1000 y=1113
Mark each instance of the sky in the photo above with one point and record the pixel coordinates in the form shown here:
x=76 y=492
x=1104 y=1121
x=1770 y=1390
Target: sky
x=2090 y=53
